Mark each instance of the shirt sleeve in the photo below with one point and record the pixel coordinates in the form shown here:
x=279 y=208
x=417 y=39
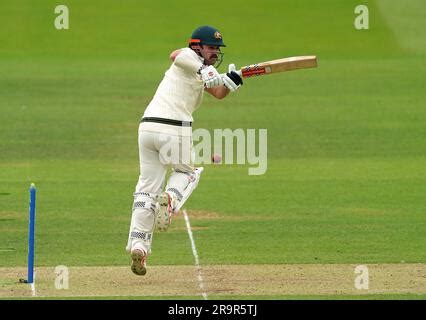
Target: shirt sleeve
x=188 y=60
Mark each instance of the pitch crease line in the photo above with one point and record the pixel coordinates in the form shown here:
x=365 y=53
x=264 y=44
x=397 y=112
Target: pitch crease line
x=194 y=252
x=33 y=287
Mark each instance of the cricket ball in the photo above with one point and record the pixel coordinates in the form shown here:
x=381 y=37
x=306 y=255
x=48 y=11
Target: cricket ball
x=216 y=158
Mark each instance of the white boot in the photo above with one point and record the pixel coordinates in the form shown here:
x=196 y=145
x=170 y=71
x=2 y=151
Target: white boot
x=138 y=262
x=163 y=212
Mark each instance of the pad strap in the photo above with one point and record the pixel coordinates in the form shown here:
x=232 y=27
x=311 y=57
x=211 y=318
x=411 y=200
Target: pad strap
x=144 y=200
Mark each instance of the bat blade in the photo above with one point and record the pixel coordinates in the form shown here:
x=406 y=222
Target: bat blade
x=279 y=65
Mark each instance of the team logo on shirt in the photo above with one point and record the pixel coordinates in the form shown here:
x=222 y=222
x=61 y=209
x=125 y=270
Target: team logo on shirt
x=217 y=35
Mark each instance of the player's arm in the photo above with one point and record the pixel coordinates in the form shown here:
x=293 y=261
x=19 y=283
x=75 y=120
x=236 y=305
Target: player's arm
x=185 y=61
x=209 y=75
x=174 y=54
x=218 y=92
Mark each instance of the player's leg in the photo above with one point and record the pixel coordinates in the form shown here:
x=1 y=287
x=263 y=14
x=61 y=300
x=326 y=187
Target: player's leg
x=170 y=146
x=149 y=186
x=142 y=225
x=184 y=178
x=181 y=183
x=169 y=200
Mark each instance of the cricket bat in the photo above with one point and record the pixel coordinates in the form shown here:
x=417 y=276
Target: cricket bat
x=280 y=65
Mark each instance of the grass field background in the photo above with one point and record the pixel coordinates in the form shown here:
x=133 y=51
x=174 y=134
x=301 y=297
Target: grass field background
x=346 y=178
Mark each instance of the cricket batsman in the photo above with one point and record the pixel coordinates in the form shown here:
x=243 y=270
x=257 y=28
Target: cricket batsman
x=165 y=138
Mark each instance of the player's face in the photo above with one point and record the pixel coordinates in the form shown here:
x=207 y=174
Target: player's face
x=210 y=54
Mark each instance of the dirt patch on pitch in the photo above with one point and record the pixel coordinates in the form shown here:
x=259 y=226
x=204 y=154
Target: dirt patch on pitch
x=211 y=215
x=232 y=280
x=314 y=279
x=10 y=215
x=200 y=215
x=178 y=224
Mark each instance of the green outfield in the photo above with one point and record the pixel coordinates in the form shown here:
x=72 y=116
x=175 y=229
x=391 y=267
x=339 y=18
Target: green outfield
x=346 y=177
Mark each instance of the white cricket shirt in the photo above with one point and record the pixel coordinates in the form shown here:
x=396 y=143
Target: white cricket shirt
x=180 y=92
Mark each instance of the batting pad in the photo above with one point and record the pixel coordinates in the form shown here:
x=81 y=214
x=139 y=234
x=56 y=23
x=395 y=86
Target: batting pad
x=194 y=179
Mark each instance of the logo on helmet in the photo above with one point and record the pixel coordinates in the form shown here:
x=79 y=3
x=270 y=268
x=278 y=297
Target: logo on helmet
x=217 y=35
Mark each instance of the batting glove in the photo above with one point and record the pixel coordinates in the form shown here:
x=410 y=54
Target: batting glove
x=232 y=79
x=211 y=77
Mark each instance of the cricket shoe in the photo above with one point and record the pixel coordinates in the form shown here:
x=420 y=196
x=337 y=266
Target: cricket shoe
x=138 y=262
x=164 y=212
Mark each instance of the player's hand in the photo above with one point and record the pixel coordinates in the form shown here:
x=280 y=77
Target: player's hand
x=232 y=79
x=211 y=77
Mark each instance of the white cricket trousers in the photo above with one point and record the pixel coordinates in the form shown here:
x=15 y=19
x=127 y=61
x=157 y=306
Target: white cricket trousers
x=161 y=146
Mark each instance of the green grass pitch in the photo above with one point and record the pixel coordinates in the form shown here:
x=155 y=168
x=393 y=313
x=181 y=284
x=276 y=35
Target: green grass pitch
x=346 y=177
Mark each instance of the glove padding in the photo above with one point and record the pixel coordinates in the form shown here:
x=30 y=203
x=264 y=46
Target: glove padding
x=232 y=79
x=211 y=77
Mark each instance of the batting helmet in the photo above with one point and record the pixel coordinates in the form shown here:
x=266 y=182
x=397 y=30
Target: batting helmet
x=206 y=35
